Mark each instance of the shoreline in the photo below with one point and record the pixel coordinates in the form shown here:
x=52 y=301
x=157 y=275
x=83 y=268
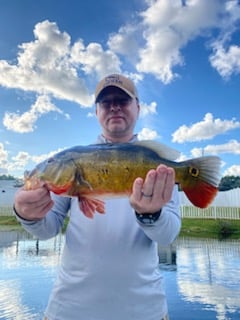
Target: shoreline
x=198 y=228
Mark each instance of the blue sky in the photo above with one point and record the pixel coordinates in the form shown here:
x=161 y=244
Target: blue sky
x=184 y=57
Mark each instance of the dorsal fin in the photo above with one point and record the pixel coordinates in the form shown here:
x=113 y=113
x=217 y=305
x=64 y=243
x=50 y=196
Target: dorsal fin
x=160 y=148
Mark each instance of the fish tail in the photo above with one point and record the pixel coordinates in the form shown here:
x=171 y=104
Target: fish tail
x=201 y=179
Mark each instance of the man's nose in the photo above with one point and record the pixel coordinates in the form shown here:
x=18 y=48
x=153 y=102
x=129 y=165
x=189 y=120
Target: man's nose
x=115 y=105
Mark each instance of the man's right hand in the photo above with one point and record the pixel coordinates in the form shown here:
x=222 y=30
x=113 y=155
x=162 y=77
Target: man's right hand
x=33 y=204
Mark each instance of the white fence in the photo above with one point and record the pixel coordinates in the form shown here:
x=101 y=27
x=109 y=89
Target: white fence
x=226 y=205
x=232 y=213
x=6 y=211
x=230 y=198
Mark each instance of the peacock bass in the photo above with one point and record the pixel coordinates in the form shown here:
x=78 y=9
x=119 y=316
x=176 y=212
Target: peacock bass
x=96 y=172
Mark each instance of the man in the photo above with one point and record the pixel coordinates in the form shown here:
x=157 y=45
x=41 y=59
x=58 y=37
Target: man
x=109 y=268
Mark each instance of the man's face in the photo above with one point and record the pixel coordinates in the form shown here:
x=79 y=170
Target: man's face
x=117 y=114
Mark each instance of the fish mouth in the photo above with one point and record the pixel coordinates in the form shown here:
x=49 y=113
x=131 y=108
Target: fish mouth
x=32 y=180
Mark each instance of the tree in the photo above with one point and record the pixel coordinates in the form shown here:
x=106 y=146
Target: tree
x=7 y=177
x=229 y=182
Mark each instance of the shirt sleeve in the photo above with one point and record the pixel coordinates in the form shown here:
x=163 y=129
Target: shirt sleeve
x=52 y=223
x=168 y=225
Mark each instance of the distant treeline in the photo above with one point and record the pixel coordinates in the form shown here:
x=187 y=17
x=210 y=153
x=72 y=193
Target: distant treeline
x=229 y=182
x=7 y=177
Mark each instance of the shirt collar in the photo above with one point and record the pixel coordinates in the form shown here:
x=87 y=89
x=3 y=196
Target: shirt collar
x=102 y=139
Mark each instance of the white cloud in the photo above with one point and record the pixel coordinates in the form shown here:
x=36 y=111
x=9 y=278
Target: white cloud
x=25 y=122
x=168 y=27
x=126 y=41
x=3 y=152
x=16 y=163
x=94 y=60
x=204 y=130
x=197 y=152
x=20 y=160
x=226 y=61
x=146 y=109
x=23 y=159
x=152 y=43
x=42 y=157
x=232 y=171
x=147 y=134
x=44 y=66
x=226 y=56
x=8 y=165
x=50 y=65
x=3 y=158
x=232 y=147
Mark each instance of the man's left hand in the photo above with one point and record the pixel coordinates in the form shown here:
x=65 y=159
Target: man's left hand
x=151 y=194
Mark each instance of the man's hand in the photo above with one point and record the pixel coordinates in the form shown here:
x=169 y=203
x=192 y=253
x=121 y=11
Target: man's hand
x=33 y=204
x=151 y=194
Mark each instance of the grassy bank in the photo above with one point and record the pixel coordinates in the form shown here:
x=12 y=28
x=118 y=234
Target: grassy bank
x=9 y=223
x=202 y=228
x=211 y=228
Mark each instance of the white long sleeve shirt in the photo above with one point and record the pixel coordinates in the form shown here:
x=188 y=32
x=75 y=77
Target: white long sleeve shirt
x=109 y=268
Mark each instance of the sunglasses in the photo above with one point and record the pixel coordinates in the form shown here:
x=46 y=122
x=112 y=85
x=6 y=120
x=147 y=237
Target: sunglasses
x=116 y=101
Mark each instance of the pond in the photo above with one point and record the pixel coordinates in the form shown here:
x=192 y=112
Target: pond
x=201 y=277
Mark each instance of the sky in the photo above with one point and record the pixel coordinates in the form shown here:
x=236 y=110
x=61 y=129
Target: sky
x=184 y=57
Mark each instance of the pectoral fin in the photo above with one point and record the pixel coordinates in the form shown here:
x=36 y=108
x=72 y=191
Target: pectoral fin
x=90 y=205
x=79 y=180
x=79 y=183
x=87 y=204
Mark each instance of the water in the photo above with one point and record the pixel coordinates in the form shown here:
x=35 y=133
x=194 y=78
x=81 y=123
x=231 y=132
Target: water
x=201 y=277
x=27 y=271
x=206 y=284
x=7 y=192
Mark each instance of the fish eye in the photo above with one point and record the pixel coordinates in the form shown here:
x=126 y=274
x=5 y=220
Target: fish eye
x=50 y=160
x=194 y=171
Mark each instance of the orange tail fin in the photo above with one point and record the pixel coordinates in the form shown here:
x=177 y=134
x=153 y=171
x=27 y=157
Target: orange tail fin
x=201 y=180
x=201 y=196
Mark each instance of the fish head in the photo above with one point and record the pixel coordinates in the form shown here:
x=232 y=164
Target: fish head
x=56 y=173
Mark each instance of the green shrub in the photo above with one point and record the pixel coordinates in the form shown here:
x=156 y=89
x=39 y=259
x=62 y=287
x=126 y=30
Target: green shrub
x=225 y=229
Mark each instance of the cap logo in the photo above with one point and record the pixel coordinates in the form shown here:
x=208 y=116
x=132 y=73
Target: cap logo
x=112 y=80
x=116 y=80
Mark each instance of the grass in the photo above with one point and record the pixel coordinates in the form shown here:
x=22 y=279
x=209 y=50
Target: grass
x=211 y=228
x=9 y=223
x=201 y=228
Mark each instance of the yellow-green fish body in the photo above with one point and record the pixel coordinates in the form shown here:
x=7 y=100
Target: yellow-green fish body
x=105 y=170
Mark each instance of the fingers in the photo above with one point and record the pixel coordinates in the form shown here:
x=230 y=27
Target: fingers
x=137 y=189
x=33 y=204
x=148 y=186
x=151 y=194
x=164 y=183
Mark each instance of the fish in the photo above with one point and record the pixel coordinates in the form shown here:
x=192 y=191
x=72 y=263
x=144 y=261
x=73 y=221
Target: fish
x=94 y=173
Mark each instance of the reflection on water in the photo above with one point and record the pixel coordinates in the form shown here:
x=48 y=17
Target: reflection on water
x=209 y=274
x=201 y=276
x=7 y=191
x=27 y=271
